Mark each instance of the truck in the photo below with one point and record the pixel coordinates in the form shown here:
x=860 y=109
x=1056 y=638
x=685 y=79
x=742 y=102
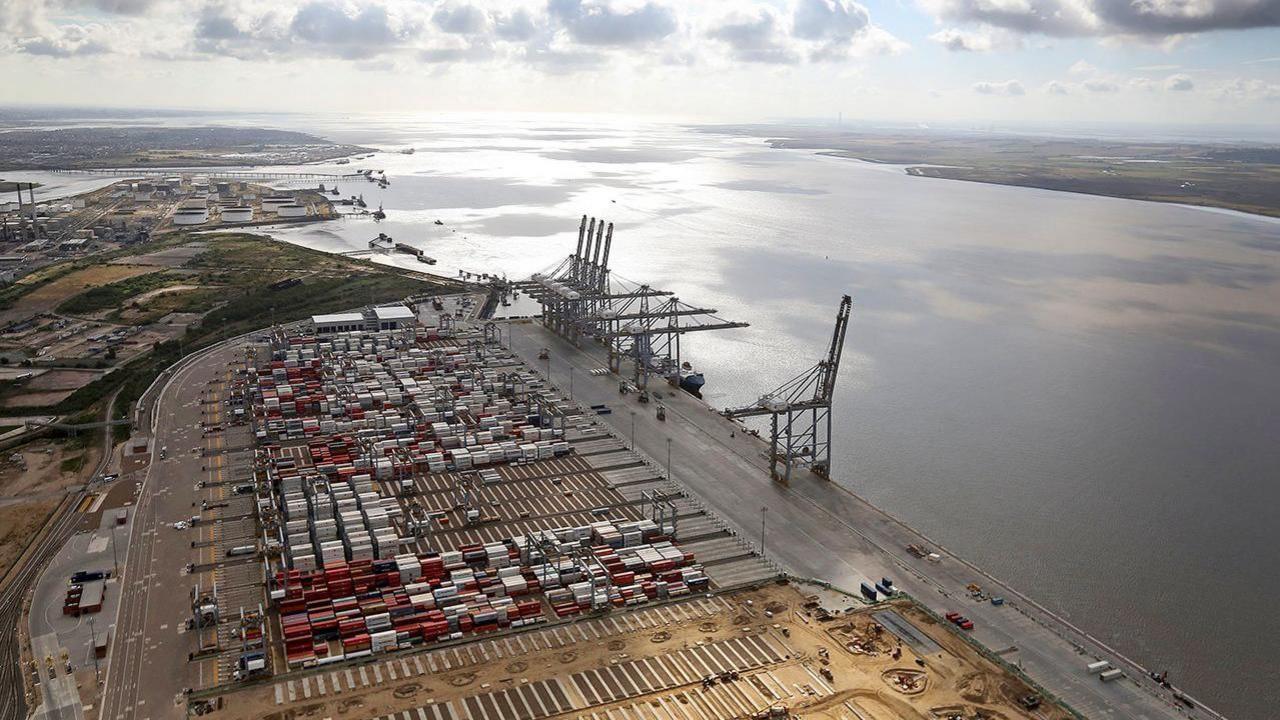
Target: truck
x=1112 y=674
x=1096 y=667
x=868 y=591
x=242 y=550
x=250 y=664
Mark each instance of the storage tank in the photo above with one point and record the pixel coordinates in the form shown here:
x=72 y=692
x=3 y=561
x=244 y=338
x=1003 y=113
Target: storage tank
x=291 y=210
x=191 y=216
x=193 y=203
x=271 y=202
x=237 y=214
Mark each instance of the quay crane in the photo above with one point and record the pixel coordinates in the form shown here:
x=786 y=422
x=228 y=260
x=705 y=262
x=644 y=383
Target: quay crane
x=581 y=298
x=800 y=411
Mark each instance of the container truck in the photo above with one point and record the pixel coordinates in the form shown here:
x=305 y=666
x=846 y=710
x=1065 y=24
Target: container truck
x=1096 y=667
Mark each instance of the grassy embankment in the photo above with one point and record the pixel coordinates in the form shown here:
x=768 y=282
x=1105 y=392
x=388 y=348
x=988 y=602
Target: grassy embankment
x=232 y=280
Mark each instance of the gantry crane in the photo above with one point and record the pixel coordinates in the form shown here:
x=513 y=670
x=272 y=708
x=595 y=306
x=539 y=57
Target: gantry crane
x=800 y=411
x=582 y=297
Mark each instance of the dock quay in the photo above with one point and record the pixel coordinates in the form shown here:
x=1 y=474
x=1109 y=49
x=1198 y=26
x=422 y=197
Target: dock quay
x=412 y=511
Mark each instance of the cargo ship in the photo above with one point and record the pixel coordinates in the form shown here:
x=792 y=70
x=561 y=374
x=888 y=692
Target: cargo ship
x=692 y=382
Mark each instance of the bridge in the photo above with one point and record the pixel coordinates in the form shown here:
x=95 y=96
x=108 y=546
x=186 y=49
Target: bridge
x=77 y=427
x=212 y=173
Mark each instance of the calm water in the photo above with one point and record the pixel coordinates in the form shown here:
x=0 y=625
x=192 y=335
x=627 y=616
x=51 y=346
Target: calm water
x=1078 y=393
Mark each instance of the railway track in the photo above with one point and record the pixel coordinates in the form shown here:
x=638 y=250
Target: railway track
x=22 y=577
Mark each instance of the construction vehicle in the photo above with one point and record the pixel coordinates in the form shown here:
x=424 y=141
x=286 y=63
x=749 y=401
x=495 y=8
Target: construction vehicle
x=662 y=413
x=544 y=354
x=643 y=396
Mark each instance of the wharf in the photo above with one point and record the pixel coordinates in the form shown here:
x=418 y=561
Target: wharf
x=820 y=529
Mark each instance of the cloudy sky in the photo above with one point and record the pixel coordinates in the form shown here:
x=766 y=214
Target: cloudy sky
x=914 y=60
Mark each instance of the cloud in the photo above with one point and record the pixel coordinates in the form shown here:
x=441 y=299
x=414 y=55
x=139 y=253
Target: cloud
x=1179 y=83
x=1081 y=67
x=317 y=28
x=116 y=7
x=1056 y=88
x=1008 y=88
x=1099 y=85
x=756 y=40
x=517 y=26
x=1077 y=18
x=1248 y=90
x=962 y=41
x=461 y=20
x=597 y=23
x=65 y=41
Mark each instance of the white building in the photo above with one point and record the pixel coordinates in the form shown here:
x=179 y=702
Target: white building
x=394 y=317
x=337 y=323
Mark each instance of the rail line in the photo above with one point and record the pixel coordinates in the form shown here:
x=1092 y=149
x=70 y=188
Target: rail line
x=22 y=577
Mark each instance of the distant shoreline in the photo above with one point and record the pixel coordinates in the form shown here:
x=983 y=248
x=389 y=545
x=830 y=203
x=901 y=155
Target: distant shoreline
x=1220 y=177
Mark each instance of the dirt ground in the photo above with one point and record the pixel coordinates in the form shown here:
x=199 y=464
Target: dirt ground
x=170 y=257
x=28 y=493
x=842 y=664
x=47 y=297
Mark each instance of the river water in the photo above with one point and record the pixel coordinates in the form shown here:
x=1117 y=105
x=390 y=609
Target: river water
x=1079 y=394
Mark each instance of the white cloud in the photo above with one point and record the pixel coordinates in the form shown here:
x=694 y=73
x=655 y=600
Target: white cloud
x=1136 y=18
x=464 y=19
x=1081 y=67
x=1053 y=87
x=1179 y=83
x=1101 y=86
x=599 y=23
x=962 y=40
x=757 y=39
x=1008 y=88
x=1245 y=90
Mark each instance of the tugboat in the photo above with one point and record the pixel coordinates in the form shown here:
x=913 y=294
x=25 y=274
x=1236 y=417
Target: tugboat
x=379 y=214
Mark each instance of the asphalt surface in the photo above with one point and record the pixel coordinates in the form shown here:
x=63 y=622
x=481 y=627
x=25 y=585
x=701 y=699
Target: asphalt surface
x=150 y=662
x=817 y=529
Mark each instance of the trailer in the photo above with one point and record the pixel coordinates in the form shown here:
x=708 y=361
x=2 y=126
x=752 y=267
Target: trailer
x=1096 y=667
x=868 y=591
x=1112 y=674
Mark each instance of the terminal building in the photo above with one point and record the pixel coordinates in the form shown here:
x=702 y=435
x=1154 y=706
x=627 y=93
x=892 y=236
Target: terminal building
x=393 y=317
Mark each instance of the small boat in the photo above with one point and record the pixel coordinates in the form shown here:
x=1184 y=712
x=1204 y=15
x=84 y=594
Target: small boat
x=407 y=151
x=379 y=214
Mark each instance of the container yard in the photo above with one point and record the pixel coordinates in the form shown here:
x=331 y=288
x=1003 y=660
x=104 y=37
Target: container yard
x=412 y=522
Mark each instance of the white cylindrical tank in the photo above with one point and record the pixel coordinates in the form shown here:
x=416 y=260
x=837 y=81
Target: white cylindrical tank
x=237 y=214
x=191 y=216
x=195 y=203
x=291 y=210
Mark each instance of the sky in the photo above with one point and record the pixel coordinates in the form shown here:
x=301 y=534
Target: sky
x=916 y=61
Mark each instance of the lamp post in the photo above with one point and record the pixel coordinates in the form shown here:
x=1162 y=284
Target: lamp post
x=633 y=429
x=763 y=509
x=668 y=459
x=570 y=383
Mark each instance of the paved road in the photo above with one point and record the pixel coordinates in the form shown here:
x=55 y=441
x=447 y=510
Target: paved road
x=149 y=666
x=819 y=530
